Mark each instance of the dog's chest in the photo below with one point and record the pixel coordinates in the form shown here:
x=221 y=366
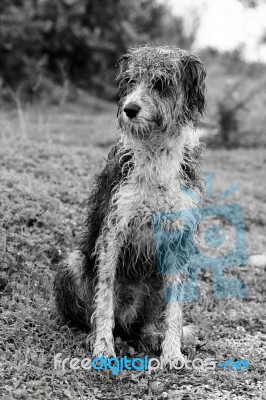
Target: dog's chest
x=139 y=199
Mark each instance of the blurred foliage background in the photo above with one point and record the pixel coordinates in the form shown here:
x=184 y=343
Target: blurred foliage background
x=56 y=51
x=45 y=41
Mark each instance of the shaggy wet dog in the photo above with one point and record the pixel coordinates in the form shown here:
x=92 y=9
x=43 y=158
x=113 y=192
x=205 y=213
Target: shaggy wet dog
x=134 y=255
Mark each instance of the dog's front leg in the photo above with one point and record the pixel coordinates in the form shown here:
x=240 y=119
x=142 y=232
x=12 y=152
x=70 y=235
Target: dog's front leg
x=103 y=317
x=171 y=346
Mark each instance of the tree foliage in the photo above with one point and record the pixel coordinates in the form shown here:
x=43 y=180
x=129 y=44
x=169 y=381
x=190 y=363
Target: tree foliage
x=79 y=40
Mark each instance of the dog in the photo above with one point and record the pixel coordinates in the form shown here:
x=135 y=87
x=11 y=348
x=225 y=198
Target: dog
x=122 y=273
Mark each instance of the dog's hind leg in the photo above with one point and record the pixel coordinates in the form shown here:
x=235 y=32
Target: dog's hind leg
x=153 y=327
x=73 y=289
x=130 y=300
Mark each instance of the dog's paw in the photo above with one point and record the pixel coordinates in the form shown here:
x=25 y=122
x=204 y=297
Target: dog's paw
x=152 y=342
x=152 y=337
x=173 y=356
x=102 y=348
x=172 y=351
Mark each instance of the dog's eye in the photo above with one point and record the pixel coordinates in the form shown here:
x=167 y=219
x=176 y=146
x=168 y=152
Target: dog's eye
x=160 y=84
x=129 y=81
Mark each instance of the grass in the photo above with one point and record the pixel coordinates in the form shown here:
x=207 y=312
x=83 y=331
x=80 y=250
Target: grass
x=47 y=159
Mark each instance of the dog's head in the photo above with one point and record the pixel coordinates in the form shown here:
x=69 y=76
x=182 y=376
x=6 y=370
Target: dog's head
x=160 y=89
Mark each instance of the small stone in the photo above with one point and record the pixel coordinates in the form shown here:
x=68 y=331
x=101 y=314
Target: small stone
x=20 y=393
x=258 y=260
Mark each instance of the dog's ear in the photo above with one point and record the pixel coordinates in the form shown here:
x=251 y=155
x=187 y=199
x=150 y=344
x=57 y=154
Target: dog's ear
x=121 y=77
x=122 y=64
x=194 y=74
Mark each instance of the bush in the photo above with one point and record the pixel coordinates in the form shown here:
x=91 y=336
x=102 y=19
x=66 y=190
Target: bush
x=79 y=40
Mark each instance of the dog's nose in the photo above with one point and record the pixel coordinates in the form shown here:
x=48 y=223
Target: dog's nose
x=131 y=110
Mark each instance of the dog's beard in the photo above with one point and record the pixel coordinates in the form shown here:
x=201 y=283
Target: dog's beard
x=145 y=130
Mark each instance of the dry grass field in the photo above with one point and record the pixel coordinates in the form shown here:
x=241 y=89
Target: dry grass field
x=47 y=159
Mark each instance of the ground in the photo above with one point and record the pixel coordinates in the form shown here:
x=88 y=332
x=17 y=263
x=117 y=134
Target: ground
x=47 y=159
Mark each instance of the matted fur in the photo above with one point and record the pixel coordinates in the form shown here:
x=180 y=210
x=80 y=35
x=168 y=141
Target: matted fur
x=114 y=277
